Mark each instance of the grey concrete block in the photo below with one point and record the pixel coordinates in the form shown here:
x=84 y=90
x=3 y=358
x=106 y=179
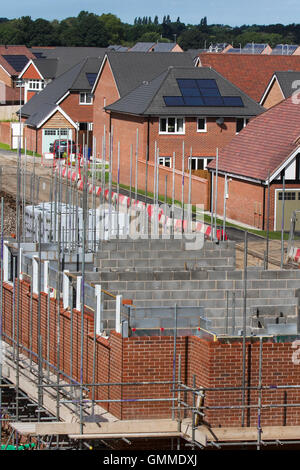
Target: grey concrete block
x=163 y=275
x=190 y=285
x=161 y=294
x=142 y=294
x=201 y=275
x=236 y=275
x=182 y=275
x=268 y=275
x=227 y=285
x=215 y=294
x=197 y=294
x=280 y=284
x=207 y=284
x=217 y=275
x=177 y=294
x=172 y=285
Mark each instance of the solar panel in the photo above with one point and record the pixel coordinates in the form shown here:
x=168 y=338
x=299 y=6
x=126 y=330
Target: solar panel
x=186 y=83
x=201 y=92
x=213 y=101
x=190 y=91
x=210 y=92
x=174 y=101
x=38 y=55
x=233 y=101
x=206 y=83
x=193 y=101
x=91 y=78
x=18 y=62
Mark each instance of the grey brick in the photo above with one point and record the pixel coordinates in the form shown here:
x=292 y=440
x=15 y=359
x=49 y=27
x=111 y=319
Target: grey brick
x=227 y=285
x=136 y=285
x=201 y=275
x=215 y=294
x=217 y=275
x=172 y=285
x=234 y=275
x=197 y=294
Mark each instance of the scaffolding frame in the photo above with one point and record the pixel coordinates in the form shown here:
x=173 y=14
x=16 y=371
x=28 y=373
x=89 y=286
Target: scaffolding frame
x=51 y=376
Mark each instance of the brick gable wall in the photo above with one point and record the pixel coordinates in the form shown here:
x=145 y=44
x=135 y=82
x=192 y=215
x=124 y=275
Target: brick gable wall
x=274 y=96
x=105 y=92
x=31 y=72
x=76 y=111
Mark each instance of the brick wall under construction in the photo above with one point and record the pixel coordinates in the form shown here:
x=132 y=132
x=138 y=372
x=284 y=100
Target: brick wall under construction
x=215 y=365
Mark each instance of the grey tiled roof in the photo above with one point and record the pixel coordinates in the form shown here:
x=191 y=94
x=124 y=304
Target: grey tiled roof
x=130 y=70
x=47 y=67
x=67 y=57
x=142 y=47
x=41 y=104
x=164 y=46
x=148 y=98
x=286 y=80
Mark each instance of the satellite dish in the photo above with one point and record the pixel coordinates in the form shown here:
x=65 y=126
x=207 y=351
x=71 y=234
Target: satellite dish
x=220 y=121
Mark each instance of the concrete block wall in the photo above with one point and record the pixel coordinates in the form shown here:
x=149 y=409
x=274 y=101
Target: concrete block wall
x=210 y=295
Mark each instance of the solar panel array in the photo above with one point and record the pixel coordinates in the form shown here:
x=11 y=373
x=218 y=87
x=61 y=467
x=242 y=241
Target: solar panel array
x=256 y=48
x=91 y=77
x=284 y=49
x=39 y=55
x=18 y=62
x=201 y=92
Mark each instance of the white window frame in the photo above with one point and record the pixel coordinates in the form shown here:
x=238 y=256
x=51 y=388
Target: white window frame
x=34 y=84
x=197 y=159
x=176 y=125
x=162 y=161
x=83 y=101
x=205 y=125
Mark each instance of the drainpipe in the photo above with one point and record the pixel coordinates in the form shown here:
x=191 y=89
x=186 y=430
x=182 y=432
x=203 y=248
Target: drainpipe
x=264 y=210
x=148 y=140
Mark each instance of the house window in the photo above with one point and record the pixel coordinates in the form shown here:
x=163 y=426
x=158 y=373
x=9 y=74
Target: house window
x=240 y=124
x=50 y=131
x=165 y=161
x=34 y=84
x=171 y=125
x=201 y=125
x=288 y=196
x=196 y=163
x=85 y=98
x=199 y=163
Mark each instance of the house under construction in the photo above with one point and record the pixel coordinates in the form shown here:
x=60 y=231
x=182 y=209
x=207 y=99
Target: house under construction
x=113 y=341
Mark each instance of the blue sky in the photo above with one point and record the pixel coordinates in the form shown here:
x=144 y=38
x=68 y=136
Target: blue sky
x=231 y=12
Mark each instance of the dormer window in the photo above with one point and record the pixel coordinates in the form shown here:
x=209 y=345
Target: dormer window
x=85 y=98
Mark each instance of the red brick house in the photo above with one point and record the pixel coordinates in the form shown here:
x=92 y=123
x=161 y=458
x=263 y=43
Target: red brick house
x=257 y=159
x=281 y=86
x=63 y=108
x=249 y=72
x=120 y=73
x=49 y=63
x=12 y=61
x=183 y=107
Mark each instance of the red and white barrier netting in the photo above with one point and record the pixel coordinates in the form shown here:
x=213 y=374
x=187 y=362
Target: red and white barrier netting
x=177 y=224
